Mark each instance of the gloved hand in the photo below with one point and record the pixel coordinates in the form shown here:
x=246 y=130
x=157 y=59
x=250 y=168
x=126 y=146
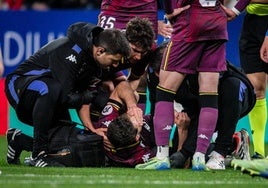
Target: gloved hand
x=87 y=96
x=76 y=100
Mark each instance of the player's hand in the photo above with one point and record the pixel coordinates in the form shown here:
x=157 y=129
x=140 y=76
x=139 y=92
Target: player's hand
x=230 y=14
x=177 y=11
x=107 y=144
x=182 y=120
x=136 y=115
x=164 y=29
x=102 y=132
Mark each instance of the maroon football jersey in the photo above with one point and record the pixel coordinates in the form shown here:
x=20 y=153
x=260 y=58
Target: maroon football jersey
x=116 y=13
x=205 y=20
x=134 y=154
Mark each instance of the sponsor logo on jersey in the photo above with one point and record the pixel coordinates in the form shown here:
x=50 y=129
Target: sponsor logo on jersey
x=72 y=58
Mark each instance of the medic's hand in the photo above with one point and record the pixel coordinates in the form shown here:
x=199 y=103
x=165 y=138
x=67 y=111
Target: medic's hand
x=87 y=96
x=76 y=100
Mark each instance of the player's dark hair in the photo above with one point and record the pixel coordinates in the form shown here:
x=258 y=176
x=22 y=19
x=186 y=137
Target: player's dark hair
x=121 y=132
x=139 y=31
x=114 y=42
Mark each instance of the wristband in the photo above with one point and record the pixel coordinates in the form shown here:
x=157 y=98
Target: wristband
x=237 y=12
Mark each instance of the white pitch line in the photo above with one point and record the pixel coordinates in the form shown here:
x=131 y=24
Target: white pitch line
x=118 y=182
x=107 y=179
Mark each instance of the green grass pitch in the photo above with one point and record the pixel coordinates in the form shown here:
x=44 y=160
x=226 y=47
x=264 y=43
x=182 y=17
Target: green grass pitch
x=20 y=176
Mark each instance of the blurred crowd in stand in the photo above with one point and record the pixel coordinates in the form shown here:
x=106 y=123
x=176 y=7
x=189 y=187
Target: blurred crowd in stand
x=52 y=4
x=48 y=4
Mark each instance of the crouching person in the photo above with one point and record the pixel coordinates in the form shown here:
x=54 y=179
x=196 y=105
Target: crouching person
x=43 y=87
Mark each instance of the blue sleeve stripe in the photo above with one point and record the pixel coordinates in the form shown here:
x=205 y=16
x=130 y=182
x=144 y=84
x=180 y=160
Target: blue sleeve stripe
x=37 y=72
x=38 y=86
x=76 y=48
x=11 y=88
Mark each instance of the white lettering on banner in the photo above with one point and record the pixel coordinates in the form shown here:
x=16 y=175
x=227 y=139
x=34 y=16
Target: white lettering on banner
x=25 y=45
x=6 y=48
x=32 y=43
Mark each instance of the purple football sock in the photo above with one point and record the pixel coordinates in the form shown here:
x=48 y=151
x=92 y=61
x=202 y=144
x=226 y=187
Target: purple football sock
x=163 y=121
x=206 y=126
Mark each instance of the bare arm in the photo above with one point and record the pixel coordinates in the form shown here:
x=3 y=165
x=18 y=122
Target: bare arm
x=182 y=121
x=84 y=114
x=134 y=83
x=177 y=11
x=125 y=94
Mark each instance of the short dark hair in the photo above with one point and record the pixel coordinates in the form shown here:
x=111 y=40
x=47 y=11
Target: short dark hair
x=121 y=132
x=114 y=42
x=139 y=31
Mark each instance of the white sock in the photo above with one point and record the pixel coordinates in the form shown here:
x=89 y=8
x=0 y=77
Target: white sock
x=162 y=152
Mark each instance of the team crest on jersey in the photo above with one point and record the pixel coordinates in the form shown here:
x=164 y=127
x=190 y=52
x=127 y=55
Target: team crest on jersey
x=108 y=109
x=72 y=58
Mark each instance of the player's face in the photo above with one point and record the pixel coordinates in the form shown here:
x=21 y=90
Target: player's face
x=106 y=60
x=135 y=124
x=136 y=53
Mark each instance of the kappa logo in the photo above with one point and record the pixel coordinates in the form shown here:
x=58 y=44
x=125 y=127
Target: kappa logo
x=168 y=127
x=106 y=123
x=107 y=110
x=203 y=136
x=72 y=58
x=146 y=157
